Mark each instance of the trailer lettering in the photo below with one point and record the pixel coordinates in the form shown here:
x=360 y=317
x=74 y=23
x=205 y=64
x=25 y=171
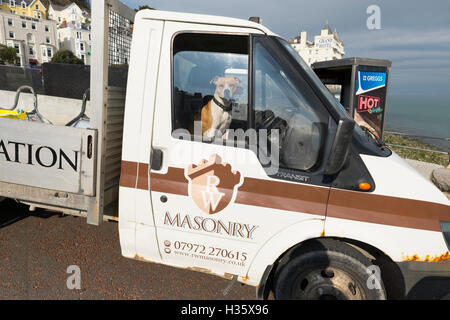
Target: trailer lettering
x=16 y=149
x=30 y=154
x=38 y=157
x=73 y=165
x=43 y=156
x=3 y=151
x=211 y=225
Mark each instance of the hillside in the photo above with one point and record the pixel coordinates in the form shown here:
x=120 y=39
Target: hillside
x=84 y=4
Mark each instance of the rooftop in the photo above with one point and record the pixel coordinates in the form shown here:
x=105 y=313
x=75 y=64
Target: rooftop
x=297 y=39
x=200 y=18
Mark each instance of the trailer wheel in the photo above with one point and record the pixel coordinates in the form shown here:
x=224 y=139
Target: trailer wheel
x=327 y=269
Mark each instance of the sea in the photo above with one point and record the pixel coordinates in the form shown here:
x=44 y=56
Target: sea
x=426 y=117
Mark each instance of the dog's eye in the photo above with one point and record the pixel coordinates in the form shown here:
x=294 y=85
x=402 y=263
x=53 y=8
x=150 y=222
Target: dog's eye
x=220 y=85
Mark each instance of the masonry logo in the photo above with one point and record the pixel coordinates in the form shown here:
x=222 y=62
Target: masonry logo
x=212 y=184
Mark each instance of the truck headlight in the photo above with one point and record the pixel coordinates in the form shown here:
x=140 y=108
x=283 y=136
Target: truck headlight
x=445 y=227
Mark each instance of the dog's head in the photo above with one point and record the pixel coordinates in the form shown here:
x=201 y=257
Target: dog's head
x=226 y=87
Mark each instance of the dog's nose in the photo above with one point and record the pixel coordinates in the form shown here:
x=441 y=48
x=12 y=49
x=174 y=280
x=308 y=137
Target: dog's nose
x=227 y=93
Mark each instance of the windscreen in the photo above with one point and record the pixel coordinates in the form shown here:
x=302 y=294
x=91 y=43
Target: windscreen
x=340 y=109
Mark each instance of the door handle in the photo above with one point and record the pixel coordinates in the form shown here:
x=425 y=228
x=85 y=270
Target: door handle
x=156 y=159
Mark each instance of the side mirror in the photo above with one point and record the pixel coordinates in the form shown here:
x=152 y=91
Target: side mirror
x=341 y=145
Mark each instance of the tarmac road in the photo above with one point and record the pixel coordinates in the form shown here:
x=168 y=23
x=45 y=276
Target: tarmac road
x=37 y=248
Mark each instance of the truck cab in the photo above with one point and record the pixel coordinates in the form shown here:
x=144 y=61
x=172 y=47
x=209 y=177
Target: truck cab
x=294 y=198
x=225 y=154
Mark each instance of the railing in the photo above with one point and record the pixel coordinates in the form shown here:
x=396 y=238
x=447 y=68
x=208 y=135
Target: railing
x=419 y=149
x=418 y=136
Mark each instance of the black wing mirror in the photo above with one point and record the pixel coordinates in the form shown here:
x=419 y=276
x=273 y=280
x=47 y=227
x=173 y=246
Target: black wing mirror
x=341 y=146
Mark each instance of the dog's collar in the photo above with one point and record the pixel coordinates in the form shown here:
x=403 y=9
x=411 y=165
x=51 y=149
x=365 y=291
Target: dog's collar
x=227 y=106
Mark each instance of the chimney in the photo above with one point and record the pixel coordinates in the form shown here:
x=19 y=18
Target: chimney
x=255 y=19
x=303 y=38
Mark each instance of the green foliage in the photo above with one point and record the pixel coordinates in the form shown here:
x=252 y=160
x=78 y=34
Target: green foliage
x=8 y=55
x=143 y=8
x=66 y=56
x=420 y=155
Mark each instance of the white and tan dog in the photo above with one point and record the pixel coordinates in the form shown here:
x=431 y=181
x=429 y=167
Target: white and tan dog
x=216 y=115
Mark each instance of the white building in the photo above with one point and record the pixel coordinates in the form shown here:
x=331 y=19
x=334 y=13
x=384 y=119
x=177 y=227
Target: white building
x=76 y=38
x=71 y=13
x=74 y=32
x=326 y=46
x=35 y=40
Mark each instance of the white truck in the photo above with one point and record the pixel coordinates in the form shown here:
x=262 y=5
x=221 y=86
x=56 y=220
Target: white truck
x=293 y=199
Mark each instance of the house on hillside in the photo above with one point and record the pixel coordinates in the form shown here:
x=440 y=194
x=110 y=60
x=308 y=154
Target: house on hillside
x=30 y=8
x=71 y=13
x=74 y=30
x=35 y=40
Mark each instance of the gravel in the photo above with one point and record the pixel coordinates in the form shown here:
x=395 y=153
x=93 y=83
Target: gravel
x=37 y=248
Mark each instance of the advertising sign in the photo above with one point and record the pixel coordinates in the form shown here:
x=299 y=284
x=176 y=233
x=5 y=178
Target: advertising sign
x=370 y=99
x=45 y=156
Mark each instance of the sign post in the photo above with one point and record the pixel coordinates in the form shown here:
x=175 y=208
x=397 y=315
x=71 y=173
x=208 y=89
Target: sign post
x=360 y=85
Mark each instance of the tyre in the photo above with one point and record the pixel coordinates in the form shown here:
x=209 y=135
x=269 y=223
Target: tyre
x=327 y=269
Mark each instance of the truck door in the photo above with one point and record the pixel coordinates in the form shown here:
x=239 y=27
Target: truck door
x=217 y=201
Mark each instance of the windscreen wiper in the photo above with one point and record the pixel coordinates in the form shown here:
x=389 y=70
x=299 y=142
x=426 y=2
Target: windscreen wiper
x=380 y=143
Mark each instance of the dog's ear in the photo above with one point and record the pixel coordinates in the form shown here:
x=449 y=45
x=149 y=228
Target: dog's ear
x=214 y=81
x=237 y=79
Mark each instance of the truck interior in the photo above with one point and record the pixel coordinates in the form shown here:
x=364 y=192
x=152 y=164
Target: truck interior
x=278 y=103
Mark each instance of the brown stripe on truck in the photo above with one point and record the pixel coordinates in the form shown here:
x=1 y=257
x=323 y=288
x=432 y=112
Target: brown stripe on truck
x=128 y=174
x=255 y=192
x=173 y=181
x=399 y=212
x=142 y=181
x=134 y=175
x=283 y=196
x=344 y=204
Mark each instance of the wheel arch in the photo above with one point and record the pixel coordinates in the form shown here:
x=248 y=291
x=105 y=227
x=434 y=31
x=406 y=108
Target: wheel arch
x=280 y=243
x=391 y=274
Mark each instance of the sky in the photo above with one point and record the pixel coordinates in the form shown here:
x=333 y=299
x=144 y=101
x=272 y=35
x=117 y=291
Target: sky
x=414 y=34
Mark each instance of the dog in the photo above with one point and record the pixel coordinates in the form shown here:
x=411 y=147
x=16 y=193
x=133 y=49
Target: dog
x=216 y=114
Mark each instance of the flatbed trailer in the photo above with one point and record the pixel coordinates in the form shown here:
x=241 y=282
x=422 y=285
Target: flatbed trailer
x=75 y=170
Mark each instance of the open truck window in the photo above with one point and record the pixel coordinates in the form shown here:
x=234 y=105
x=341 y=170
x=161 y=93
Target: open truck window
x=207 y=67
x=287 y=104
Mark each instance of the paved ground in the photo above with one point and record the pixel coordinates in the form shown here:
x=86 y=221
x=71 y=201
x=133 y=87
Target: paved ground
x=35 y=251
x=424 y=168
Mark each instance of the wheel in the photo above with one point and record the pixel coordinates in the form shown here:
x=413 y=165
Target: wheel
x=327 y=269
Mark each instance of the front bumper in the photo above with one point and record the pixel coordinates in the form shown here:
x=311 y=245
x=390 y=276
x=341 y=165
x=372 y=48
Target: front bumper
x=426 y=280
